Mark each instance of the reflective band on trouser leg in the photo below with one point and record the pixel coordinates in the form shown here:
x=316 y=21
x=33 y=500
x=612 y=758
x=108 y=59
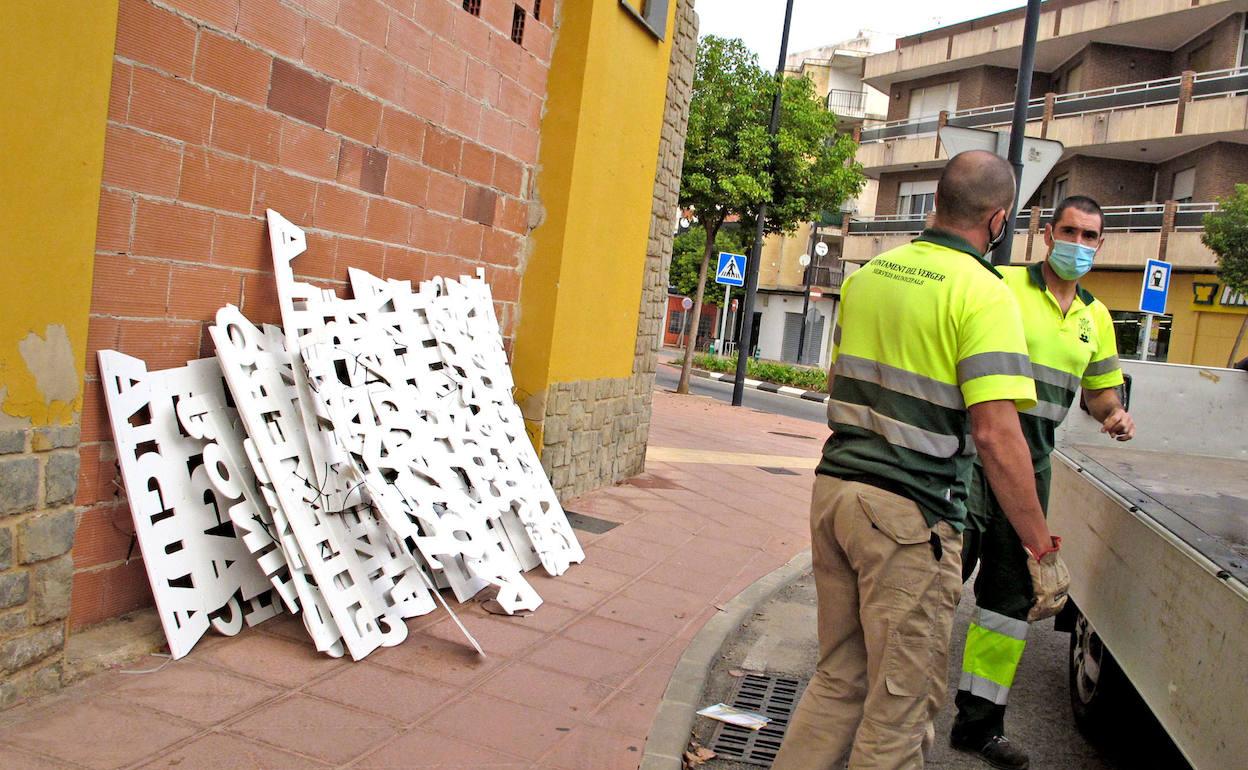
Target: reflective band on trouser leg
x=994 y=647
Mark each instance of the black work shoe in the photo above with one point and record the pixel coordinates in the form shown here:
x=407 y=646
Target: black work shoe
x=996 y=751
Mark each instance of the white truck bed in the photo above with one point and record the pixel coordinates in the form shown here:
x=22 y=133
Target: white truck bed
x=1155 y=532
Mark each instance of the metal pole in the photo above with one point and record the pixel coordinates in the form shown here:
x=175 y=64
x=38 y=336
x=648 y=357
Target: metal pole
x=751 y=270
x=1018 y=128
x=810 y=254
x=723 y=321
x=1146 y=335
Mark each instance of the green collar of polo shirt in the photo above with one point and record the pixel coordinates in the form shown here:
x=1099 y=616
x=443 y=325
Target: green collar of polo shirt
x=1036 y=271
x=955 y=242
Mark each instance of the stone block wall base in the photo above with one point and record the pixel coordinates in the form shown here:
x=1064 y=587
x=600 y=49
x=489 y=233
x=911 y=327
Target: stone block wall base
x=38 y=520
x=112 y=643
x=594 y=433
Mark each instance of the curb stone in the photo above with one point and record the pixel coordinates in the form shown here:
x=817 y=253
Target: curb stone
x=673 y=722
x=767 y=387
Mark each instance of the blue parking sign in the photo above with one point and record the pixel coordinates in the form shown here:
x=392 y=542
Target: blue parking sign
x=731 y=270
x=1156 y=286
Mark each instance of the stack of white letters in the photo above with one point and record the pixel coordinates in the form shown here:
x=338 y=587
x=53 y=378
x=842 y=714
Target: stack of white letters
x=344 y=467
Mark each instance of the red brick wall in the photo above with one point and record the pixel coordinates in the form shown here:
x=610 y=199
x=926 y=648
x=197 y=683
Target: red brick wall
x=402 y=135
x=977 y=87
x=1108 y=181
x=1107 y=65
x=1224 y=40
x=1218 y=167
x=890 y=184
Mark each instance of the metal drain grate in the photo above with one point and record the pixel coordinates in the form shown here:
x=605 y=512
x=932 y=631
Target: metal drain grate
x=772 y=696
x=779 y=471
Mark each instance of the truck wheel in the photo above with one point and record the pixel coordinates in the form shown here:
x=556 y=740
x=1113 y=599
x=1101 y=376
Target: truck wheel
x=1096 y=682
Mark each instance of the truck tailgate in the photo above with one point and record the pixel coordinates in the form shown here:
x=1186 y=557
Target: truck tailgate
x=1157 y=544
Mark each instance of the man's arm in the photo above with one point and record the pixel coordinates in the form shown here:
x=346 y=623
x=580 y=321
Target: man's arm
x=1106 y=408
x=1007 y=464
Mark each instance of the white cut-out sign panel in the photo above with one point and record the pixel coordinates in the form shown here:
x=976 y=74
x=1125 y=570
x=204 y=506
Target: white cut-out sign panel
x=201 y=574
x=368 y=582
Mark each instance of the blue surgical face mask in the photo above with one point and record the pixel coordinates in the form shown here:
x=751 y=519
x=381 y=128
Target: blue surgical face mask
x=1071 y=261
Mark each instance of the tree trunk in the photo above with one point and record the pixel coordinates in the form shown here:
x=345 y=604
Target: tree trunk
x=1243 y=327
x=692 y=337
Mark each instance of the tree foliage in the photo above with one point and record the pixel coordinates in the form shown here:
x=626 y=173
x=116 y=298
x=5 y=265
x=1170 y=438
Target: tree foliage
x=687 y=250
x=731 y=165
x=1226 y=235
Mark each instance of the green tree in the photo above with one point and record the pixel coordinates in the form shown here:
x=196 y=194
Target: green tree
x=732 y=165
x=687 y=251
x=1226 y=235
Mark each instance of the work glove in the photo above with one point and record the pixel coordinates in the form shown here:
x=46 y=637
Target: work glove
x=1050 y=581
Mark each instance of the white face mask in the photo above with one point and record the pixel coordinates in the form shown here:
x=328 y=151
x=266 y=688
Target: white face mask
x=1071 y=261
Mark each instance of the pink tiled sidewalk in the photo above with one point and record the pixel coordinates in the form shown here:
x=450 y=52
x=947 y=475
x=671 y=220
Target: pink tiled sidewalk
x=573 y=686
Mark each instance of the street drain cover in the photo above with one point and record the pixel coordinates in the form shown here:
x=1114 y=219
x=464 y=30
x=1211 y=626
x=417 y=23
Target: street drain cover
x=779 y=471
x=772 y=696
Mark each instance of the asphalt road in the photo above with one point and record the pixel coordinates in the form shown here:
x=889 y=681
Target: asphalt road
x=668 y=376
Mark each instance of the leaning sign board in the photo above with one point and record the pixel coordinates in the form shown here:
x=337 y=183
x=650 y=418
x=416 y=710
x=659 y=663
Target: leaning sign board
x=731 y=270
x=1039 y=155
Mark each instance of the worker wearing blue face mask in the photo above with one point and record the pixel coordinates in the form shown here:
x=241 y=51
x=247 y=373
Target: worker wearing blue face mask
x=1070 y=341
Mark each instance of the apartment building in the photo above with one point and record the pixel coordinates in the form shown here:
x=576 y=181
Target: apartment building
x=836 y=71
x=1150 y=100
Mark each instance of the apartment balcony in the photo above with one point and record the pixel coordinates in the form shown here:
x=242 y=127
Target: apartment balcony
x=1164 y=117
x=847 y=104
x=1064 y=30
x=1133 y=235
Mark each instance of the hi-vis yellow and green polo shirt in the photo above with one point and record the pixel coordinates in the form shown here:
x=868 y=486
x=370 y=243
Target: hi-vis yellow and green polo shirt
x=926 y=330
x=1066 y=351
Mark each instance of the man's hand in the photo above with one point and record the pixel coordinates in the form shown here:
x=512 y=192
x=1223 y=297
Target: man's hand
x=1050 y=581
x=1119 y=425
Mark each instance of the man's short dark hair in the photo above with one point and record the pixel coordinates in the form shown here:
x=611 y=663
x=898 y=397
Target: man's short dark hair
x=972 y=186
x=1078 y=203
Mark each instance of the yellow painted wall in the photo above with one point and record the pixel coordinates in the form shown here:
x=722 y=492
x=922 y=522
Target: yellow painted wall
x=582 y=287
x=57 y=63
x=1203 y=338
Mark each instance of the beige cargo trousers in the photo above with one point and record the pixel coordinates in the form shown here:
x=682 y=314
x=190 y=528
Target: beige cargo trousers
x=888 y=588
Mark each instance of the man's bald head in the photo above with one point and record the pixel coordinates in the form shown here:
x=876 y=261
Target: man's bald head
x=973 y=186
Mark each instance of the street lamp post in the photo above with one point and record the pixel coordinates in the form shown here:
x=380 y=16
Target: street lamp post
x=805 y=262
x=751 y=270
x=1018 y=127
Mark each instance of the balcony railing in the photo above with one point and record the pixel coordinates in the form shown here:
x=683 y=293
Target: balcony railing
x=825 y=277
x=1205 y=85
x=847 y=104
x=1142 y=218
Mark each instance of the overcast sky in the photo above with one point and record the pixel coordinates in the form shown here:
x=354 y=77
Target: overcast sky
x=819 y=22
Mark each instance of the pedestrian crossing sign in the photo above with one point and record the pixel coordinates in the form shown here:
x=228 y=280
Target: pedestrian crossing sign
x=731 y=271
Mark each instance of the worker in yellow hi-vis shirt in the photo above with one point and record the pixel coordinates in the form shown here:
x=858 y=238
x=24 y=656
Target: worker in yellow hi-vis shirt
x=929 y=352
x=1070 y=340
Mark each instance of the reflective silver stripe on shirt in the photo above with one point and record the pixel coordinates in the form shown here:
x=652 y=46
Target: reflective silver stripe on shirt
x=1104 y=366
x=987 y=364
x=893 y=431
x=1051 y=376
x=901 y=381
x=836 y=335
x=1048 y=410
x=1001 y=624
x=984 y=688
